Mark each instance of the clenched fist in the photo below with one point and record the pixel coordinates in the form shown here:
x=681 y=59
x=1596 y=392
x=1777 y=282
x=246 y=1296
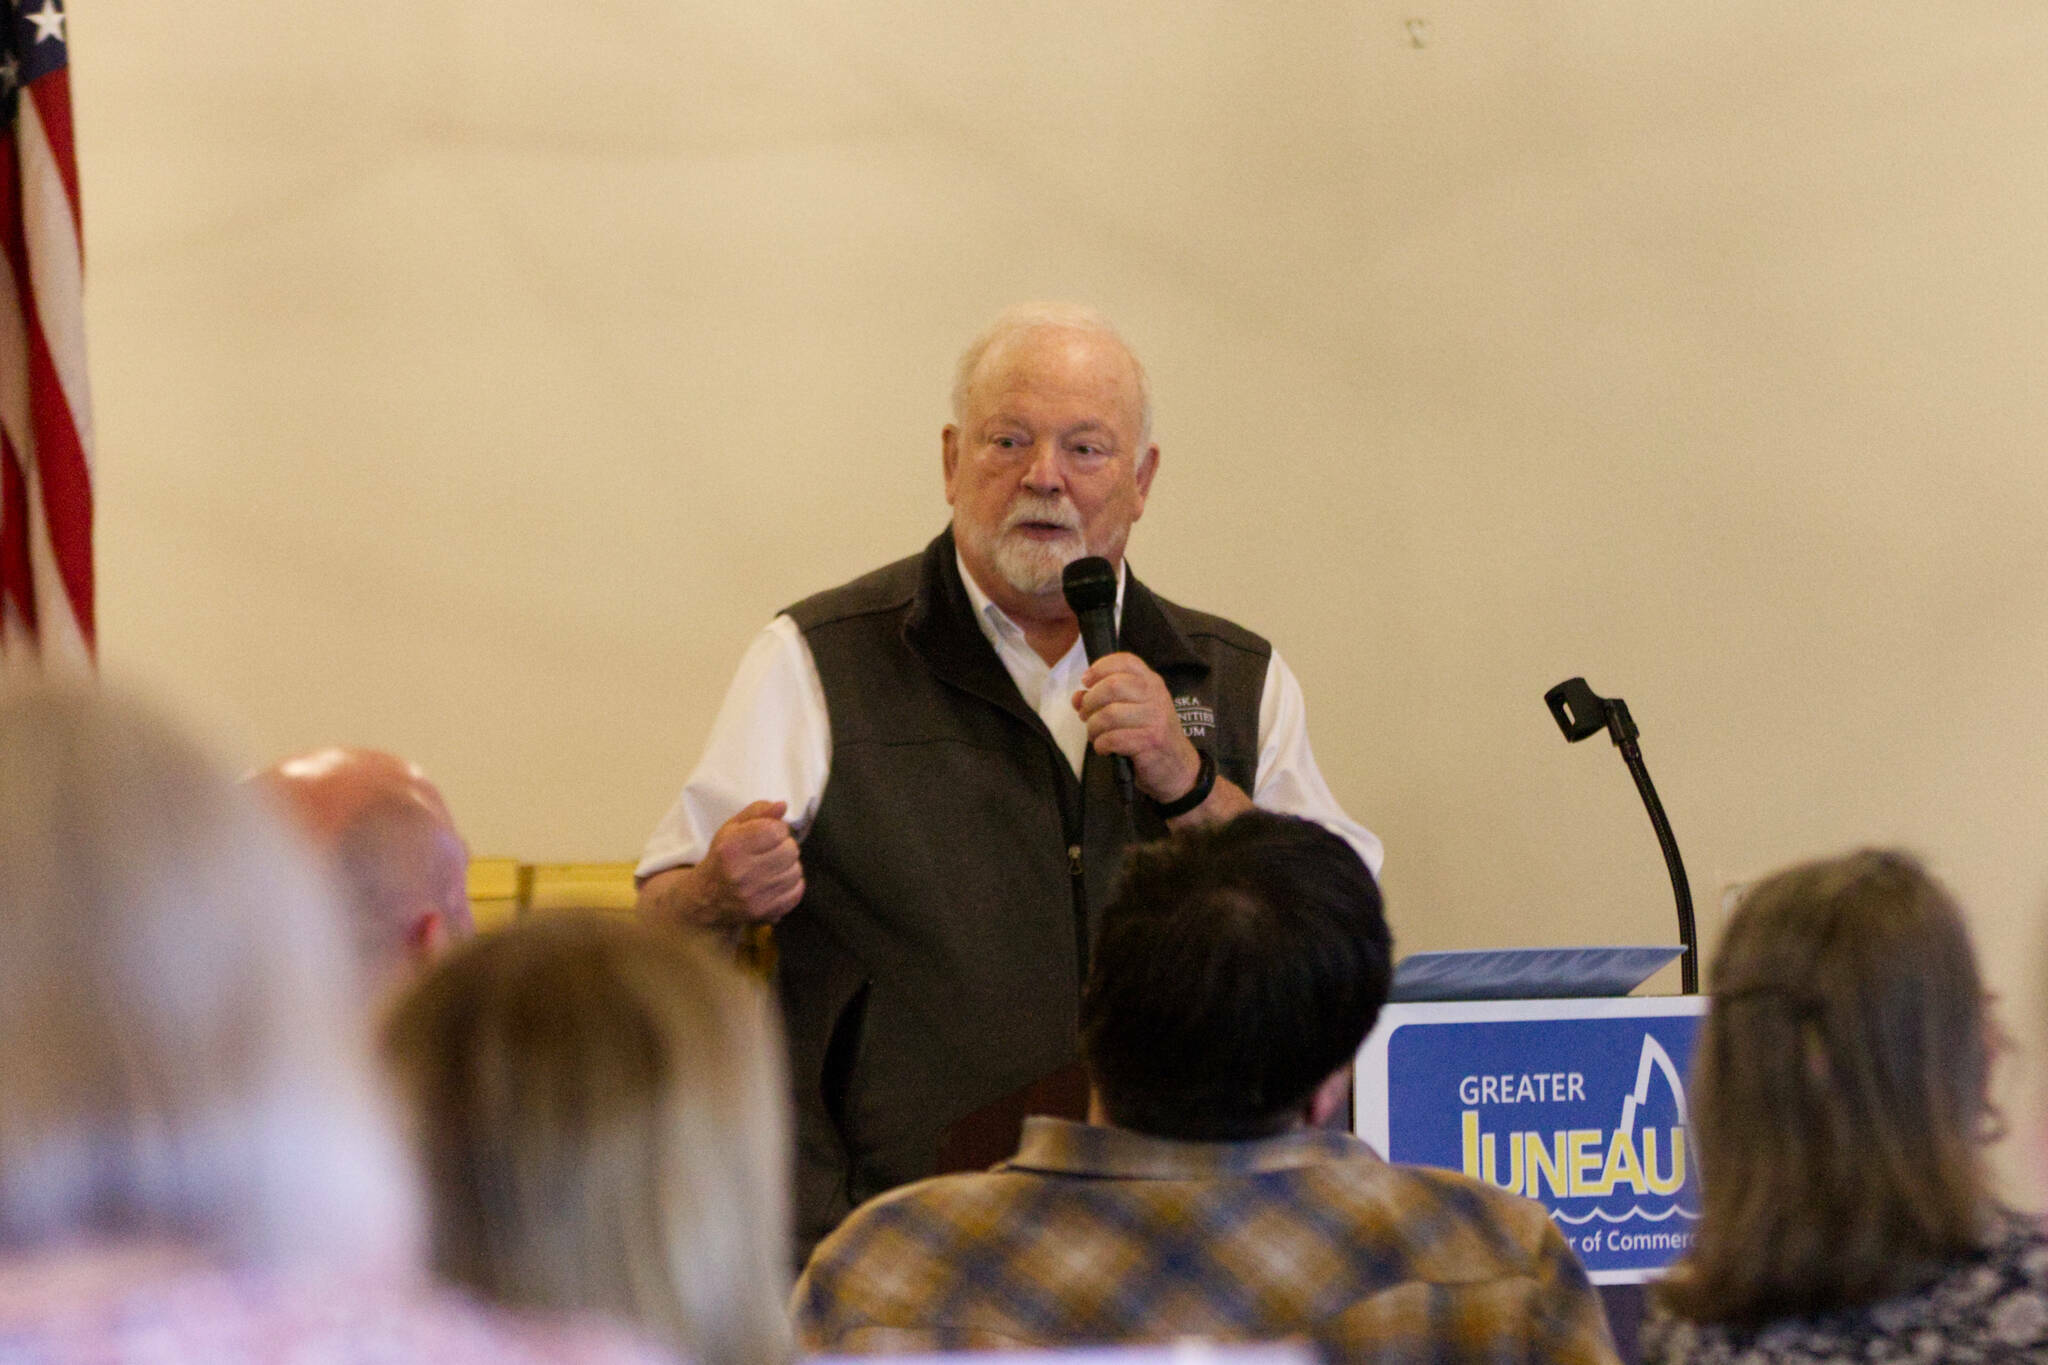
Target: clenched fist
x=751 y=874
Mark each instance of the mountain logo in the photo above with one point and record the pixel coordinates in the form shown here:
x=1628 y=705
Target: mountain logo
x=1643 y=1161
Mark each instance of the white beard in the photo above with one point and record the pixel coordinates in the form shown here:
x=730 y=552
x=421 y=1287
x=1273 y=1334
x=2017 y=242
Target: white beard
x=1034 y=568
x=1029 y=567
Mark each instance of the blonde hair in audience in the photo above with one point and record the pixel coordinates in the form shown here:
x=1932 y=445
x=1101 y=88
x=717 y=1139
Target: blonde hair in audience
x=1840 y=1095
x=600 y=1109
x=180 y=1057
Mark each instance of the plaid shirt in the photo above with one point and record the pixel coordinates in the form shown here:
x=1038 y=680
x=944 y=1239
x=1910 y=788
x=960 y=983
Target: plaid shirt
x=1095 y=1235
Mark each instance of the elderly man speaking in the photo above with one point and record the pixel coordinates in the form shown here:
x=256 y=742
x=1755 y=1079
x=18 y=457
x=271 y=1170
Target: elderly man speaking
x=911 y=775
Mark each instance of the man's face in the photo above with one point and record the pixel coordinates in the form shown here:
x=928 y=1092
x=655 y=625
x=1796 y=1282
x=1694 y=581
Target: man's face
x=1046 y=466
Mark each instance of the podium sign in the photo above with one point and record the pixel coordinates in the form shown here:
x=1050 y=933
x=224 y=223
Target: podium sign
x=1578 y=1104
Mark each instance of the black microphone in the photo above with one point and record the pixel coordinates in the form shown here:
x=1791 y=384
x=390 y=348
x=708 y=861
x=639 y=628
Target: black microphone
x=1090 y=586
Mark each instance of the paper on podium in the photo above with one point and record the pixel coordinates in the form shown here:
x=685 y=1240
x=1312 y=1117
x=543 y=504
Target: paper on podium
x=1528 y=973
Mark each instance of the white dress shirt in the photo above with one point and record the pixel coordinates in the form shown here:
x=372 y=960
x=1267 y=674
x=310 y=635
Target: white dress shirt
x=772 y=740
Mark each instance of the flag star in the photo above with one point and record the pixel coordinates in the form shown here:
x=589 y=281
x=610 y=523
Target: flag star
x=10 y=72
x=49 y=21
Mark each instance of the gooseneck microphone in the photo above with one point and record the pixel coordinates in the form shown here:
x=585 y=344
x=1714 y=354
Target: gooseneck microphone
x=1090 y=587
x=1582 y=713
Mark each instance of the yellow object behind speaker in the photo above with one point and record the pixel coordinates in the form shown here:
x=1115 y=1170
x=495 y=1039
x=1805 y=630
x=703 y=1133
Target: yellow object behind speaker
x=498 y=891
x=581 y=886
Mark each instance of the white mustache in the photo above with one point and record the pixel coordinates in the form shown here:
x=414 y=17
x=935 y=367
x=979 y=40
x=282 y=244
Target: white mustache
x=1051 y=511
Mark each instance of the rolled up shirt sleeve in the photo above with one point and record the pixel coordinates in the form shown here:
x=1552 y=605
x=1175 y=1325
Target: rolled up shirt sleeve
x=771 y=741
x=1289 y=781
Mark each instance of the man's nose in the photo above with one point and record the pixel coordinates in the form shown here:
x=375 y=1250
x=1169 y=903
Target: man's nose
x=1045 y=473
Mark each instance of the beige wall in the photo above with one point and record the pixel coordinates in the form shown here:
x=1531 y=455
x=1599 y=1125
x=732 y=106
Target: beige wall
x=474 y=378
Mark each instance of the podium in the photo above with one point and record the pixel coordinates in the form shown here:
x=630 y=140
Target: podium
x=1572 y=1095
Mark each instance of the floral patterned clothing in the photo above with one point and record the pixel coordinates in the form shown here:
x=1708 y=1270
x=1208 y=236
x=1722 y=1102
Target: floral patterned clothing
x=102 y=1305
x=1992 y=1308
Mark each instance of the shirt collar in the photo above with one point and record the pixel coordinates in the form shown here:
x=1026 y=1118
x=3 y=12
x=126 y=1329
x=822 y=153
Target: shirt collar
x=997 y=624
x=1063 y=1147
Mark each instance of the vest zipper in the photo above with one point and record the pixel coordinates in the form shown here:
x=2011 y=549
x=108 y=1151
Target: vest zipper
x=1075 y=818
x=1079 y=883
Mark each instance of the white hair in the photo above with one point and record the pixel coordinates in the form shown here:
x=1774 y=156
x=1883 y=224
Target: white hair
x=1024 y=318
x=182 y=1053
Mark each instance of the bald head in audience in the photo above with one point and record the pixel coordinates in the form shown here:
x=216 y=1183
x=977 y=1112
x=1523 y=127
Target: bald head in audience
x=395 y=852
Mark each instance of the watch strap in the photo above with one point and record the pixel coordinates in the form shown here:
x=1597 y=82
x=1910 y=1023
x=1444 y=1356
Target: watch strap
x=1205 y=782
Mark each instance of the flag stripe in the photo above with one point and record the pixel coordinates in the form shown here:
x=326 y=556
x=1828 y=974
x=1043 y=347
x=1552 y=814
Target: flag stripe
x=13 y=325
x=56 y=269
x=52 y=98
x=17 y=579
x=18 y=615
x=66 y=480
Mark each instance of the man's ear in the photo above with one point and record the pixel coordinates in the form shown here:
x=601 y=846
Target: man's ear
x=949 y=448
x=1327 y=1105
x=428 y=937
x=1148 y=465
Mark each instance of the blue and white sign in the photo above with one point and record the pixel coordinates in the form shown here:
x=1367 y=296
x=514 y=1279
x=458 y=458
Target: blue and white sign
x=1578 y=1104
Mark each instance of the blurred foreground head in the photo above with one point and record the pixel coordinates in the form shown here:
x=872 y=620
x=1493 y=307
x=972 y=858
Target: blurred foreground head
x=181 y=1054
x=1840 y=1095
x=600 y=1111
x=395 y=852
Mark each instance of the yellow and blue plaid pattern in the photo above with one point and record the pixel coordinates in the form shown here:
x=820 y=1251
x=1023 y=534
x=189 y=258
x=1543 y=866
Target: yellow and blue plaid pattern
x=1096 y=1235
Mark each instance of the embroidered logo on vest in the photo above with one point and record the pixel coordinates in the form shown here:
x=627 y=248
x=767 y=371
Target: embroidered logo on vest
x=1197 y=717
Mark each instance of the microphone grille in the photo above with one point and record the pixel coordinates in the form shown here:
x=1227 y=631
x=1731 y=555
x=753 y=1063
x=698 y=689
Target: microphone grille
x=1089 y=584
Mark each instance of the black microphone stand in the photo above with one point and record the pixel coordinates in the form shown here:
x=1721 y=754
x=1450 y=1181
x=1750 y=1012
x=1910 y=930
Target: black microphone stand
x=1594 y=713
x=1623 y=727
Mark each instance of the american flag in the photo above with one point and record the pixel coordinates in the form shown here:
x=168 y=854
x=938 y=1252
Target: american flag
x=46 y=590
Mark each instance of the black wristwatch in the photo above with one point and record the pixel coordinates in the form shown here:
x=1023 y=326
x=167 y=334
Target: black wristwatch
x=1205 y=782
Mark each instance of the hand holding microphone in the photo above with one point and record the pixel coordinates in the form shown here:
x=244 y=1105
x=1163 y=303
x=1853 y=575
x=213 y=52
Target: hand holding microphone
x=1129 y=711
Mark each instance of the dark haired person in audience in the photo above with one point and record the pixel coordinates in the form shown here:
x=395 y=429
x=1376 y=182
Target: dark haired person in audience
x=601 y=1112
x=1840 y=1109
x=1238 y=971
x=195 y=1168
x=396 y=856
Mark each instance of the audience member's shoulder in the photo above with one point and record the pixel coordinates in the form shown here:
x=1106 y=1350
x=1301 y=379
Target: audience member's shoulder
x=1451 y=1225
x=2023 y=1240
x=964 y=1199
x=1993 y=1306
x=2005 y=1290
x=903 y=1245
x=97 y=1306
